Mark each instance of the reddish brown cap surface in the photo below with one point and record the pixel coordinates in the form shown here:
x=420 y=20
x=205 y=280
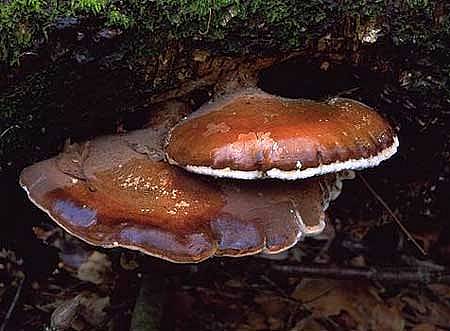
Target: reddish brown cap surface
x=252 y=134
x=118 y=191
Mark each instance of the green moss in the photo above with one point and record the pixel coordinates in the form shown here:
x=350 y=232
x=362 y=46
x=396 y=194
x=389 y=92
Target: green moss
x=286 y=24
x=23 y=23
x=118 y=19
x=89 y=6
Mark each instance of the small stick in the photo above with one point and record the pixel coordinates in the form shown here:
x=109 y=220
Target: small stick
x=209 y=23
x=346 y=92
x=9 y=129
x=417 y=275
x=13 y=304
x=395 y=218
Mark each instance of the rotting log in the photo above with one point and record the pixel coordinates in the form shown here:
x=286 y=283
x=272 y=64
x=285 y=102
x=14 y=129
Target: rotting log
x=94 y=61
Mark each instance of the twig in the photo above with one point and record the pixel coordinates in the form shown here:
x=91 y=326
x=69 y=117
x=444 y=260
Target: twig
x=209 y=24
x=417 y=275
x=13 y=303
x=395 y=218
x=346 y=92
x=28 y=53
x=277 y=288
x=9 y=129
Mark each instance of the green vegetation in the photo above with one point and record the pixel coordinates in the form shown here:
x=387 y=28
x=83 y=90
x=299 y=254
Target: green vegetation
x=24 y=23
x=290 y=23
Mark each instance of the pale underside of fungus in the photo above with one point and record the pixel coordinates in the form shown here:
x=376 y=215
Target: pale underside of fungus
x=118 y=191
x=251 y=134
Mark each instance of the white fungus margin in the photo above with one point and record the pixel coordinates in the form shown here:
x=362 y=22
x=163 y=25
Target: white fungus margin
x=352 y=164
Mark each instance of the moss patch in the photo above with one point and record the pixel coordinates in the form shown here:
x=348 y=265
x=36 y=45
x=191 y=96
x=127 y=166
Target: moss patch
x=287 y=24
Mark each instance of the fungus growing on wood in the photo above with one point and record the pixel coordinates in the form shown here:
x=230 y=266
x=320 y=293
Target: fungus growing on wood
x=251 y=134
x=119 y=191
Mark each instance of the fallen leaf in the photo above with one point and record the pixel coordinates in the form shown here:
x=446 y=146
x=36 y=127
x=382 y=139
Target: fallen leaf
x=93 y=308
x=270 y=305
x=426 y=309
x=424 y=327
x=308 y=324
x=83 y=312
x=66 y=313
x=97 y=269
x=256 y=321
x=442 y=290
x=275 y=323
x=327 y=298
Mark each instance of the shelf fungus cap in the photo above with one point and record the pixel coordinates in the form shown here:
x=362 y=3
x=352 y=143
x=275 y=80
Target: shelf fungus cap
x=251 y=134
x=118 y=191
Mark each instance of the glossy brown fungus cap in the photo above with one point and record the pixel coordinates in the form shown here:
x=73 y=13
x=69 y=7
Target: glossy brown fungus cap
x=252 y=134
x=118 y=191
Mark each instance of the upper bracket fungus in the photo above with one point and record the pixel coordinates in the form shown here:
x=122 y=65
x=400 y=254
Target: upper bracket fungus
x=119 y=191
x=251 y=134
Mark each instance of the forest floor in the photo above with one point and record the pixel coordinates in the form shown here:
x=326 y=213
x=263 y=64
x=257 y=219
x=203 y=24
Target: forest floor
x=90 y=289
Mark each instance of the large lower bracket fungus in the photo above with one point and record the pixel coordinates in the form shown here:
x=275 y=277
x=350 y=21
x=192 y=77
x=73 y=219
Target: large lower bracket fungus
x=251 y=134
x=119 y=191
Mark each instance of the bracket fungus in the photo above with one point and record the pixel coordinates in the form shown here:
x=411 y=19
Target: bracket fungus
x=119 y=191
x=251 y=134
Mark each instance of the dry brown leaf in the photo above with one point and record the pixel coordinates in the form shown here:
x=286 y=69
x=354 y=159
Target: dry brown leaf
x=424 y=327
x=275 y=323
x=326 y=298
x=66 y=313
x=93 y=309
x=308 y=324
x=256 y=321
x=415 y=305
x=97 y=269
x=426 y=309
x=441 y=290
x=271 y=305
x=83 y=312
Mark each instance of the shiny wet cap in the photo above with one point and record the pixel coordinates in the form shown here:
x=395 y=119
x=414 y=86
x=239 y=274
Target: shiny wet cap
x=251 y=134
